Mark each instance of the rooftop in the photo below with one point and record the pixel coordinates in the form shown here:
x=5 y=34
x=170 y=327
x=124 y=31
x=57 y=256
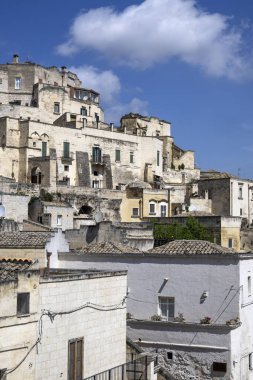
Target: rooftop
x=9 y=268
x=106 y=248
x=191 y=247
x=23 y=239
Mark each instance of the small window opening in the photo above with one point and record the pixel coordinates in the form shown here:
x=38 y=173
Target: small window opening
x=23 y=303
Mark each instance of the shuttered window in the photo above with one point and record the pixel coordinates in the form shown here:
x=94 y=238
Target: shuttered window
x=76 y=359
x=44 y=148
x=66 y=149
x=117 y=155
x=96 y=154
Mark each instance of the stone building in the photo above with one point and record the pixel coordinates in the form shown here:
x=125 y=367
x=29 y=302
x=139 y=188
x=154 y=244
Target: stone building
x=230 y=195
x=189 y=302
x=52 y=133
x=60 y=324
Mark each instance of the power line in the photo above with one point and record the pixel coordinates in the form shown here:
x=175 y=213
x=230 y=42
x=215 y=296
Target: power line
x=52 y=314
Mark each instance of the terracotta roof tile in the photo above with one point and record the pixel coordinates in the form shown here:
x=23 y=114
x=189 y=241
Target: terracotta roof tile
x=23 y=239
x=107 y=247
x=9 y=268
x=191 y=247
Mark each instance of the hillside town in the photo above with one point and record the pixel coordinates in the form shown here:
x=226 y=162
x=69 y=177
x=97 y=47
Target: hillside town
x=120 y=259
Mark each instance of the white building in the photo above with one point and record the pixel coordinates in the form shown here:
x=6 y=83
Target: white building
x=66 y=325
x=191 y=302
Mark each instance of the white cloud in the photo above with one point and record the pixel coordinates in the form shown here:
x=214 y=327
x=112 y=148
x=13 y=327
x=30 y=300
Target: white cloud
x=157 y=31
x=109 y=86
x=104 y=82
x=116 y=111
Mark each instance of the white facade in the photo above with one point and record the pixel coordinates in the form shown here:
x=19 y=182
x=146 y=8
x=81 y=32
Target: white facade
x=198 y=286
x=83 y=311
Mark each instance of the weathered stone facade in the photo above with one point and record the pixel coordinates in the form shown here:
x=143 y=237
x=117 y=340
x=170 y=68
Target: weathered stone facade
x=52 y=132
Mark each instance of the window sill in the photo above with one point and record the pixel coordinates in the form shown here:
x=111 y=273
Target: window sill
x=23 y=315
x=152 y=213
x=135 y=216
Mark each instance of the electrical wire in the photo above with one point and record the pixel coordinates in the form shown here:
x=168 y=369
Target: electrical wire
x=52 y=314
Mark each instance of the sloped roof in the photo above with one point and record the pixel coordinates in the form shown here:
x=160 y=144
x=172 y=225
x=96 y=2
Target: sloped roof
x=9 y=268
x=23 y=239
x=191 y=247
x=139 y=184
x=106 y=248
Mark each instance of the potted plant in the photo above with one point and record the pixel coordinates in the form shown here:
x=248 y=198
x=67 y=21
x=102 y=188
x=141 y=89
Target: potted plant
x=179 y=318
x=206 y=321
x=156 y=317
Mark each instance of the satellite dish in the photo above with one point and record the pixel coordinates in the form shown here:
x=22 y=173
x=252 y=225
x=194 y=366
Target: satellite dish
x=2 y=210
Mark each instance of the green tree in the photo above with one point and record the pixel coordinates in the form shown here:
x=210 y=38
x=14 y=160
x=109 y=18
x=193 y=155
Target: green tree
x=192 y=230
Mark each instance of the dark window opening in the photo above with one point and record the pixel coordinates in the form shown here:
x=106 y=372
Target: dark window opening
x=95 y=173
x=56 y=107
x=23 y=303
x=170 y=355
x=66 y=168
x=117 y=155
x=85 y=209
x=220 y=367
x=83 y=111
x=36 y=176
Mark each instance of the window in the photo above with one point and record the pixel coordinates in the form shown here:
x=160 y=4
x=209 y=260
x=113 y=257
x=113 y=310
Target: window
x=66 y=168
x=95 y=173
x=95 y=184
x=75 y=362
x=135 y=212
x=66 y=149
x=249 y=285
x=219 y=367
x=170 y=355
x=56 y=107
x=34 y=144
x=167 y=307
x=44 y=148
x=59 y=220
x=1 y=81
x=83 y=111
x=23 y=303
x=17 y=83
x=96 y=154
x=131 y=157
x=240 y=211
x=230 y=243
x=152 y=210
x=240 y=192
x=97 y=117
x=251 y=361
x=117 y=155
x=158 y=158
x=163 y=209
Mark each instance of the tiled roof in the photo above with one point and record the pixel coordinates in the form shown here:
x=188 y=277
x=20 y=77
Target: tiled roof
x=191 y=247
x=106 y=247
x=23 y=239
x=9 y=268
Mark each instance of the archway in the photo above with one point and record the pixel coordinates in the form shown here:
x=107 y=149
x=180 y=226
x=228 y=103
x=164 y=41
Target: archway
x=36 y=176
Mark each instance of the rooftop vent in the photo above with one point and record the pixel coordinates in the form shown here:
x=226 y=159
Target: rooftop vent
x=15 y=58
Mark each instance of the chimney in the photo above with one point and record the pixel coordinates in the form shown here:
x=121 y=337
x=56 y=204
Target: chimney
x=15 y=58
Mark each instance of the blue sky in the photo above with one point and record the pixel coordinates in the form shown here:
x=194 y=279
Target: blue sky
x=189 y=62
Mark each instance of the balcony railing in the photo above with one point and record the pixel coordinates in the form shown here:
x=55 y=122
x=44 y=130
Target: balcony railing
x=133 y=370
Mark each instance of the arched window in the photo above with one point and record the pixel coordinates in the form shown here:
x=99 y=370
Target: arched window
x=36 y=176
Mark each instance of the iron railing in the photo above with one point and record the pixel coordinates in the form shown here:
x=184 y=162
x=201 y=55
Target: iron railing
x=133 y=370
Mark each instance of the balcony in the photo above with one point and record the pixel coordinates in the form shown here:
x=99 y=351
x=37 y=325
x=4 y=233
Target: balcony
x=67 y=158
x=96 y=160
x=139 y=368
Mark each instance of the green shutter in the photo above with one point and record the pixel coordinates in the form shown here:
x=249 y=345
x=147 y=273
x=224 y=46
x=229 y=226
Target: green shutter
x=66 y=149
x=117 y=155
x=44 y=148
